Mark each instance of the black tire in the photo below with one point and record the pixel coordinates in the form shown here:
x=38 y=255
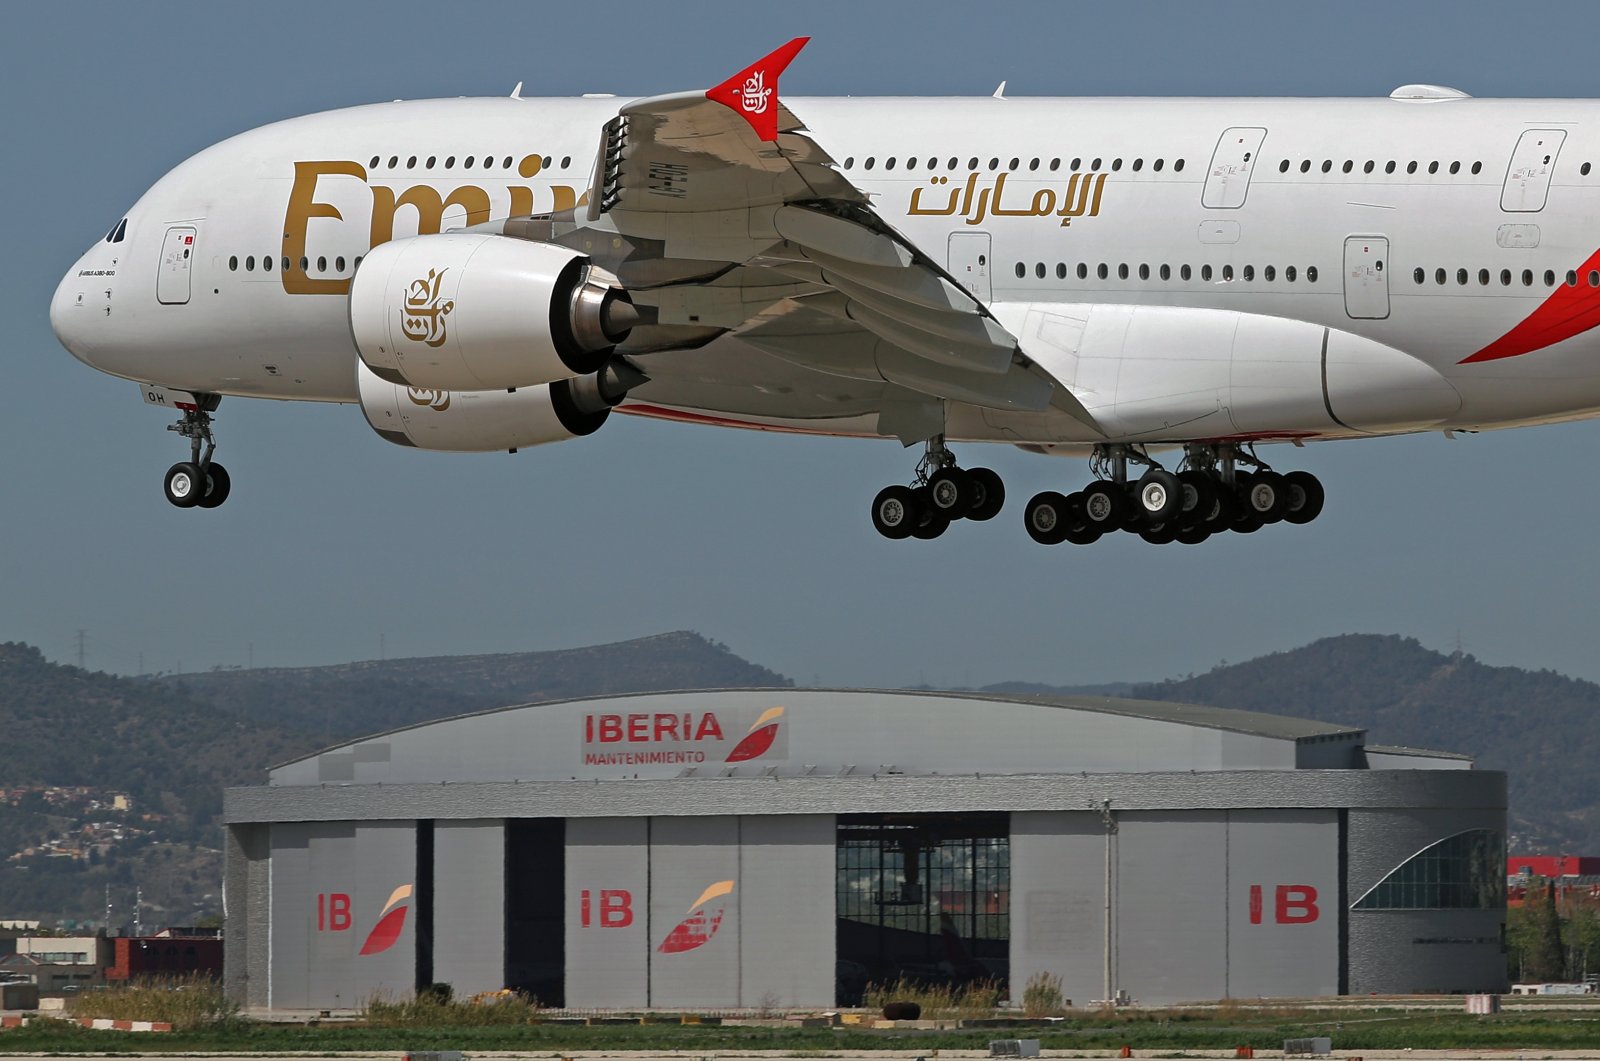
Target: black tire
x=218 y=486
x=991 y=493
x=1224 y=510
x=896 y=512
x=1160 y=533
x=950 y=493
x=1047 y=518
x=1194 y=535
x=1247 y=522
x=1105 y=506
x=1305 y=497
x=930 y=527
x=1199 y=496
x=184 y=484
x=1159 y=496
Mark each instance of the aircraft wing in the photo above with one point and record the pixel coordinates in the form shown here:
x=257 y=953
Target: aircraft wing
x=735 y=221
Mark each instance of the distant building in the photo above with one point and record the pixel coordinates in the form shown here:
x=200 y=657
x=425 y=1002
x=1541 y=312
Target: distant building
x=57 y=964
x=1553 y=867
x=165 y=954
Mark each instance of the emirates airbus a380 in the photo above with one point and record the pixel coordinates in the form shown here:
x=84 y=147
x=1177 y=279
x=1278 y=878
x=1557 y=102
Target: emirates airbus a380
x=1159 y=285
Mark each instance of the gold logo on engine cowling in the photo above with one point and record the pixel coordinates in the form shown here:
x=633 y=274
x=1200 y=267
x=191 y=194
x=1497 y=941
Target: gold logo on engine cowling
x=422 y=318
x=438 y=401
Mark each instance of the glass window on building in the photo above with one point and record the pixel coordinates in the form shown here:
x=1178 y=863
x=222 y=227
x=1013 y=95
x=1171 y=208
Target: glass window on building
x=925 y=898
x=1461 y=872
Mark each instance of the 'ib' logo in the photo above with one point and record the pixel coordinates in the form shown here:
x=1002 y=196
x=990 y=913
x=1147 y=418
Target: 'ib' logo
x=422 y=317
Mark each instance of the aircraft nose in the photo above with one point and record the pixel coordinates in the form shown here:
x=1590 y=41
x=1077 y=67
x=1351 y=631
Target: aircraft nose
x=72 y=310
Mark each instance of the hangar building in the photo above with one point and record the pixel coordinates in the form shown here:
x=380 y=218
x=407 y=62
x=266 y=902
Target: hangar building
x=784 y=847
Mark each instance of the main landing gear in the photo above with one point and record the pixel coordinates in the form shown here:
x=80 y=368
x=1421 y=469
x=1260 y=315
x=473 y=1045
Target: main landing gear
x=198 y=482
x=1211 y=494
x=942 y=494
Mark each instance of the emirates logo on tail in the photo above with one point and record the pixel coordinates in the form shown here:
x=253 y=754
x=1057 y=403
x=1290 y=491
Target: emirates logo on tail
x=752 y=93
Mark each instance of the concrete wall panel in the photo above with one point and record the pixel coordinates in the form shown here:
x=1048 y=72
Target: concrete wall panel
x=607 y=912
x=695 y=904
x=1058 y=901
x=1283 y=903
x=469 y=904
x=1171 y=905
x=786 y=911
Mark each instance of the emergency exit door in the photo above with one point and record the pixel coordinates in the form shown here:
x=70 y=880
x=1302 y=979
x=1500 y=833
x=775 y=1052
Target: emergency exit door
x=1228 y=179
x=177 y=263
x=969 y=263
x=1532 y=164
x=1366 y=277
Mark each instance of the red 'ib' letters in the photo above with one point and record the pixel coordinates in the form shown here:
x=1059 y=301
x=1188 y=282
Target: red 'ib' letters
x=1294 y=904
x=615 y=908
x=333 y=912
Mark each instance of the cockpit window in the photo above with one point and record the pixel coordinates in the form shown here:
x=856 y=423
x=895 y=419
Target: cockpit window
x=118 y=230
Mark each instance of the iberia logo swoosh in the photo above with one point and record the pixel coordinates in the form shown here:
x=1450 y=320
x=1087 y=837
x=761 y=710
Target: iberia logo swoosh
x=1569 y=310
x=702 y=922
x=759 y=740
x=390 y=922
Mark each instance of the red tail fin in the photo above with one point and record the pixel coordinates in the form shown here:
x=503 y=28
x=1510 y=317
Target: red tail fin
x=752 y=93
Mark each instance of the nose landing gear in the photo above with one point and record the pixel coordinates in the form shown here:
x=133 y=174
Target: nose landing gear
x=198 y=482
x=943 y=493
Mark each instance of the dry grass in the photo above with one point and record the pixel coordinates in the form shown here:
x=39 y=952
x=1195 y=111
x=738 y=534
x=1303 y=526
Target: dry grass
x=1042 y=996
x=433 y=1009
x=938 y=1001
x=186 y=1002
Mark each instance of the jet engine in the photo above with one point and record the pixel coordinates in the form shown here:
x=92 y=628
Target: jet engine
x=466 y=311
x=481 y=421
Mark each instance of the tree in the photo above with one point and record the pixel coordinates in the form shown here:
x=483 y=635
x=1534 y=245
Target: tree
x=1547 y=959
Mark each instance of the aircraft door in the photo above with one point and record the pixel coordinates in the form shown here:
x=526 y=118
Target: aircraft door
x=177 y=262
x=1366 y=277
x=1528 y=177
x=970 y=258
x=1228 y=179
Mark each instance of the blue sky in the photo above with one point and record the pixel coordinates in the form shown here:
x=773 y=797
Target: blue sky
x=334 y=539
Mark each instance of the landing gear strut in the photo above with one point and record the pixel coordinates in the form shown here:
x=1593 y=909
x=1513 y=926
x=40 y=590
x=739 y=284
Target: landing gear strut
x=198 y=482
x=1209 y=495
x=942 y=493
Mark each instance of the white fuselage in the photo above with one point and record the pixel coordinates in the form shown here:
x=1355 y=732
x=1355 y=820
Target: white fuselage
x=1480 y=210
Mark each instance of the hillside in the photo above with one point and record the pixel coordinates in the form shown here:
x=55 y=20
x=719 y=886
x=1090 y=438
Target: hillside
x=71 y=741
x=355 y=699
x=1540 y=727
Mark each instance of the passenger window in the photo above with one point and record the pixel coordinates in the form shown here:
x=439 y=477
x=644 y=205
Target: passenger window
x=994 y=163
x=1158 y=164
x=338 y=264
x=1311 y=274
x=1144 y=271
x=1390 y=167
x=1289 y=273
x=933 y=163
x=1411 y=167
x=411 y=163
x=1022 y=270
x=1461 y=277
x=1594 y=278
x=1014 y=163
x=850 y=162
x=1455 y=167
x=450 y=163
x=1527 y=278
x=870 y=162
x=1327 y=165
x=374 y=163
x=1095 y=165
x=305 y=264
x=1166 y=271
x=1305 y=166
x=250 y=264
x=233 y=264
x=1249 y=272
x=1122 y=271
x=1205 y=273
x=1116 y=164
x=1438 y=276
x=432 y=160
x=1138 y=164
x=888 y=163
x=1077 y=164
x=322 y=264
x=1505 y=277
x=972 y=163
x=266 y=263
x=1477 y=167
x=1102 y=271
x=1584 y=169
x=1227 y=273
x=1184 y=273
x=1572 y=278
x=394 y=160
x=1177 y=167
x=1549 y=278
x=1368 y=167
x=1483 y=277
x=1269 y=274
x=953 y=162
x=285 y=263
x=566 y=160
x=1061 y=270
x=1283 y=167
x=468 y=163
x=1038 y=270
x=1418 y=275
x=1055 y=164
x=1083 y=271
x=1348 y=165
x=1433 y=167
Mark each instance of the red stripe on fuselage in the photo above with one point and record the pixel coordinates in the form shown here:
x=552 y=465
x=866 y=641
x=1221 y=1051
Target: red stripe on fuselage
x=1570 y=310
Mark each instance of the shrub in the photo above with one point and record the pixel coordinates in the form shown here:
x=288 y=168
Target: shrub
x=937 y=1001
x=185 y=1002
x=434 y=1006
x=1042 y=996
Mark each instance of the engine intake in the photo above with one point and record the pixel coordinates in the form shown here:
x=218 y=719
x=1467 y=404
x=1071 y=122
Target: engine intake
x=466 y=311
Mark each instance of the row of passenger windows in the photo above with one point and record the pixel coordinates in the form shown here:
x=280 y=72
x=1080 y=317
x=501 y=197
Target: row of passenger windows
x=526 y=167
x=1054 y=164
x=1388 y=167
x=1506 y=277
x=267 y=263
x=1144 y=271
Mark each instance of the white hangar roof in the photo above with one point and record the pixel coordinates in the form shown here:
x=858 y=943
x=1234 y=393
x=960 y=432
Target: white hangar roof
x=828 y=732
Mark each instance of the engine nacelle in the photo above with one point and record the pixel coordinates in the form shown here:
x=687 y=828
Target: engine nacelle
x=464 y=311
x=482 y=421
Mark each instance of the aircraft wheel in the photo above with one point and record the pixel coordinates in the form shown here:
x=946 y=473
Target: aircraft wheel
x=218 y=486
x=1275 y=509
x=1199 y=495
x=1305 y=497
x=1046 y=517
x=895 y=512
x=1160 y=533
x=990 y=492
x=951 y=493
x=184 y=484
x=1159 y=496
x=1194 y=535
x=1105 y=506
